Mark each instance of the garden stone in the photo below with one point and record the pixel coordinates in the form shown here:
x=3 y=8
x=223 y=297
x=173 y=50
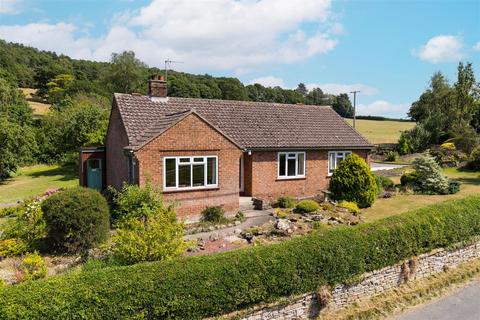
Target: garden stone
x=230 y=225
x=237 y=231
x=214 y=236
x=237 y=222
x=316 y=217
x=282 y=224
x=211 y=228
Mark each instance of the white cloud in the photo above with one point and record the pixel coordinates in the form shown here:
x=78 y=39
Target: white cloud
x=222 y=34
x=9 y=6
x=384 y=108
x=337 y=88
x=269 y=81
x=477 y=46
x=442 y=48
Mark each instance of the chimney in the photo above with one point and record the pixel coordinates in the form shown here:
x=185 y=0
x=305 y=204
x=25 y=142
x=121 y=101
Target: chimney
x=157 y=87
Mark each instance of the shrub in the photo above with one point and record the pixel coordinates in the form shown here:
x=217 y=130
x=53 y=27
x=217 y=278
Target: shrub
x=12 y=247
x=208 y=286
x=10 y=211
x=446 y=157
x=286 y=202
x=32 y=267
x=353 y=181
x=409 y=179
x=448 y=146
x=134 y=201
x=351 y=206
x=430 y=177
x=157 y=236
x=391 y=156
x=474 y=159
x=404 y=144
x=213 y=214
x=453 y=186
x=77 y=219
x=27 y=226
x=383 y=183
x=307 y=206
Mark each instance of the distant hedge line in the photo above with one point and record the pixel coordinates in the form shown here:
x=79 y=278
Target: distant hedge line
x=193 y=288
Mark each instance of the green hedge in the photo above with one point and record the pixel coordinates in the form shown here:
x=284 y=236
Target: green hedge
x=193 y=288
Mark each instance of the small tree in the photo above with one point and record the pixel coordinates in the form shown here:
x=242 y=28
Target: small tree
x=77 y=219
x=152 y=233
x=430 y=177
x=404 y=144
x=353 y=181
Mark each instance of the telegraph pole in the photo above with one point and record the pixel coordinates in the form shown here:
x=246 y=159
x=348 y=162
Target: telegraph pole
x=354 y=105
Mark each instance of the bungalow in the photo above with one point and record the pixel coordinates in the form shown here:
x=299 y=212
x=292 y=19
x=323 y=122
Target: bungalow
x=210 y=152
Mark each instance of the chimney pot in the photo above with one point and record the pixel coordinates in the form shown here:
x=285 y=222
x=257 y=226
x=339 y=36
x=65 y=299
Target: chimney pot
x=157 y=86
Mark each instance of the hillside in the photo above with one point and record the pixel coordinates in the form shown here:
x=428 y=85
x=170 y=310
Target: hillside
x=378 y=131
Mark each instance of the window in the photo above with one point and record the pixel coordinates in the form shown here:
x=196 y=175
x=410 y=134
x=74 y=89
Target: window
x=335 y=158
x=190 y=172
x=291 y=164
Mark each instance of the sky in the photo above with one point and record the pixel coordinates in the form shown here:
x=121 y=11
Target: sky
x=388 y=50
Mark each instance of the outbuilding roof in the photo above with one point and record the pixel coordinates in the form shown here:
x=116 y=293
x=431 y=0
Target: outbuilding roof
x=250 y=125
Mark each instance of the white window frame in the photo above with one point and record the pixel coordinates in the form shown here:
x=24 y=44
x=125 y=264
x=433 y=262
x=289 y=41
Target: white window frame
x=287 y=157
x=177 y=161
x=337 y=156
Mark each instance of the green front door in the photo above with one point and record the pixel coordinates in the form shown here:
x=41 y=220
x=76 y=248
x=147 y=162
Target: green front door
x=94 y=174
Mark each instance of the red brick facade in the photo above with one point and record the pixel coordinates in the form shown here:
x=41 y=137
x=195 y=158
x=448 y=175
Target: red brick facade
x=116 y=140
x=261 y=175
x=193 y=136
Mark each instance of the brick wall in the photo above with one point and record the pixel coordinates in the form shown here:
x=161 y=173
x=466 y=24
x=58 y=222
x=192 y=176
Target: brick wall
x=190 y=137
x=372 y=283
x=115 y=141
x=261 y=175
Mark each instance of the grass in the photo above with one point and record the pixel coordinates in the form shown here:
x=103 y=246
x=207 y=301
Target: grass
x=406 y=296
x=404 y=202
x=377 y=131
x=35 y=180
x=39 y=108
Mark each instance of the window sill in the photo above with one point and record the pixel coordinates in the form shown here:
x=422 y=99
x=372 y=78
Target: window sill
x=290 y=178
x=165 y=191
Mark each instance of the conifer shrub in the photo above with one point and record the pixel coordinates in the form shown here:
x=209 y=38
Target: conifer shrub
x=307 y=206
x=77 y=219
x=353 y=181
x=430 y=178
x=214 y=214
x=286 y=202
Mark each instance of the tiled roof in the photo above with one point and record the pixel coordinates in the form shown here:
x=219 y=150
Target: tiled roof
x=251 y=125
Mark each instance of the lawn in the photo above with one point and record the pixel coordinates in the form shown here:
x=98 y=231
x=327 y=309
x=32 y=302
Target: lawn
x=377 y=131
x=400 y=203
x=35 y=180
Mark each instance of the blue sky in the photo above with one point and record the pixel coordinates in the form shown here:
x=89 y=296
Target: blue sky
x=386 y=49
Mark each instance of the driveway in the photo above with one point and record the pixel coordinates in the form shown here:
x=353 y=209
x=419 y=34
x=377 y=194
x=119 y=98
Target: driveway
x=462 y=305
x=376 y=166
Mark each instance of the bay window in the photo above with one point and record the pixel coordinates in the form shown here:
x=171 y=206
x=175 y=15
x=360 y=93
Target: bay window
x=190 y=172
x=335 y=158
x=291 y=164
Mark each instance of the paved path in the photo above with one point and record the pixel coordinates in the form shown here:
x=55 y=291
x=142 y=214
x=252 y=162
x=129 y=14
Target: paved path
x=385 y=166
x=463 y=304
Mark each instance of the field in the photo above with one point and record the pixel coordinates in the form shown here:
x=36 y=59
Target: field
x=404 y=202
x=381 y=131
x=35 y=180
x=39 y=107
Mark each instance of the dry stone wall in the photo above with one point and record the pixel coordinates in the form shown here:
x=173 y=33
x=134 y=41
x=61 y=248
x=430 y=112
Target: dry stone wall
x=372 y=283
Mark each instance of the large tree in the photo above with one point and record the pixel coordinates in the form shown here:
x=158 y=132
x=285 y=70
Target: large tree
x=343 y=106
x=126 y=73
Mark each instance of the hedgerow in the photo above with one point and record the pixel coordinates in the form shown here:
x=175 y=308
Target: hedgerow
x=198 y=287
